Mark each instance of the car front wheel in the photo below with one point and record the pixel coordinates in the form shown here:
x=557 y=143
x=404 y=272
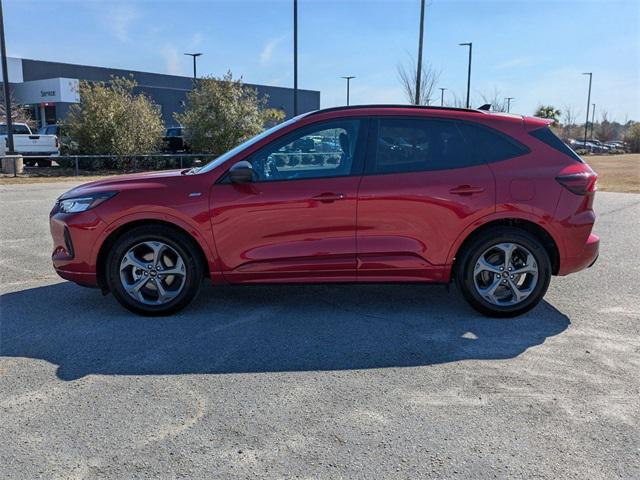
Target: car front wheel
x=154 y=270
x=503 y=272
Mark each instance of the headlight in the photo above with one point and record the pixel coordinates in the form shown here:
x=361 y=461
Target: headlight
x=81 y=204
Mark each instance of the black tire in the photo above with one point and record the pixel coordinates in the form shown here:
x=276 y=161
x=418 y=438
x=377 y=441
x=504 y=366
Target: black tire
x=181 y=243
x=466 y=261
x=44 y=162
x=29 y=163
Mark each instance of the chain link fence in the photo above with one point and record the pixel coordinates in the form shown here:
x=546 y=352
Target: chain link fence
x=78 y=165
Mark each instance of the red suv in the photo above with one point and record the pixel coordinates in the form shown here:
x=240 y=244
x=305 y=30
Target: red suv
x=353 y=194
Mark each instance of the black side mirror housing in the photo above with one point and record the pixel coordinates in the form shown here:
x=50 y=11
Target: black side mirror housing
x=241 y=172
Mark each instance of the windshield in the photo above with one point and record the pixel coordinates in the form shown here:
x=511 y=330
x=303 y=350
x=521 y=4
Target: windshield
x=17 y=129
x=234 y=151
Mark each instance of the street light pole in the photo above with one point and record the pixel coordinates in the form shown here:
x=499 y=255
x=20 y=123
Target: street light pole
x=593 y=118
x=419 y=66
x=194 y=55
x=586 y=123
x=7 y=93
x=348 y=79
x=295 y=58
x=470 y=45
x=508 y=99
x=442 y=96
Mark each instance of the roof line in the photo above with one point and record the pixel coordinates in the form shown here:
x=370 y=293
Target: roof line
x=388 y=105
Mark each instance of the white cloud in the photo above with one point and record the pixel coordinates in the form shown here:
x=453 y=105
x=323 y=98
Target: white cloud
x=196 y=39
x=269 y=48
x=173 y=60
x=515 y=62
x=119 y=19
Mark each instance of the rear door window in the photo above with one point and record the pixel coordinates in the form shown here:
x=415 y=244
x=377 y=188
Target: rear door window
x=412 y=145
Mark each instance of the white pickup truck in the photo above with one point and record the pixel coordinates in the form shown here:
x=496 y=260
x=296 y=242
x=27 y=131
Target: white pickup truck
x=29 y=144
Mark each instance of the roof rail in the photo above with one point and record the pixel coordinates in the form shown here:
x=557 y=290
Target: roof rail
x=389 y=105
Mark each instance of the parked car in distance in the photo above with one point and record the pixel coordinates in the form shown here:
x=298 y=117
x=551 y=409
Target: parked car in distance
x=600 y=146
x=589 y=146
x=494 y=202
x=174 y=140
x=617 y=146
x=67 y=145
x=29 y=144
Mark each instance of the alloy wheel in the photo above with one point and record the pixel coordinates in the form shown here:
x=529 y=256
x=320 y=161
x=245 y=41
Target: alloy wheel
x=505 y=274
x=152 y=273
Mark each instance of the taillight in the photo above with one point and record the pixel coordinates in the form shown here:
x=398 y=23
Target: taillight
x=582 y=183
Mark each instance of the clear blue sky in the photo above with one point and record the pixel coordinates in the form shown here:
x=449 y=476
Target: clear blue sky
x=534 y=51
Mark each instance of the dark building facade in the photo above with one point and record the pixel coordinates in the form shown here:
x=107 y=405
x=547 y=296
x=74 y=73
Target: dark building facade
x=50 y=88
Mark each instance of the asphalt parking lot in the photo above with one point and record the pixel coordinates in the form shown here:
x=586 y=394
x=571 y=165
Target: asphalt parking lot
x=342 y=381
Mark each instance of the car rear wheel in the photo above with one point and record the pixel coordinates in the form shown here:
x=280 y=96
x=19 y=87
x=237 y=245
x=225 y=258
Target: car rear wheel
x=154 y=270
x=504 y=272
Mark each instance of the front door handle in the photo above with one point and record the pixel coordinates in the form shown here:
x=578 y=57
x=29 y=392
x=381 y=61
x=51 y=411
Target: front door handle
x=329 y=197
x=466 y=190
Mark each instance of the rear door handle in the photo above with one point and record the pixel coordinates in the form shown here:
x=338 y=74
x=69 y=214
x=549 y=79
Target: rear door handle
x=466 y=190
x=329 y=197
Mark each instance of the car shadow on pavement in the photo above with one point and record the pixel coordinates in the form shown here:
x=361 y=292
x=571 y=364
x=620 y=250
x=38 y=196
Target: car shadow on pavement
x=263 y=329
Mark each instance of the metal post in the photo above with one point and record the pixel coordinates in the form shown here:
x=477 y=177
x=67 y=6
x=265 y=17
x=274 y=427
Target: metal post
x=7 y=92
x=15 y=166
x=593 y=118
x=508 y=99
x=295 y=58
x=586 y=123
x=442 y=96
x=419 y=66
x=470 y=45
x=348 y=79
x=77 y=170
x=194 y=55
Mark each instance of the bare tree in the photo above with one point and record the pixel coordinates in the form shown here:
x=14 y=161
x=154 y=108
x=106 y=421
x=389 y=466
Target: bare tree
x=19 y=113
x=606 y=130
x=570 y=128
x=428 y=80
x=456 y=101
x=496 y=100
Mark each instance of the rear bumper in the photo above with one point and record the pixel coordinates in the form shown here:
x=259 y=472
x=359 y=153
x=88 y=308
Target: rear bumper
x=585 y=259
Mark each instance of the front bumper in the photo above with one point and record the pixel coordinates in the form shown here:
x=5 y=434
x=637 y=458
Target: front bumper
x=74 y=239
x=585 y=259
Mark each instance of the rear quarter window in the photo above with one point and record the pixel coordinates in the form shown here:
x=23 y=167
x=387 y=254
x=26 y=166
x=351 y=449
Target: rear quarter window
x=546 y=136
x=488 y=145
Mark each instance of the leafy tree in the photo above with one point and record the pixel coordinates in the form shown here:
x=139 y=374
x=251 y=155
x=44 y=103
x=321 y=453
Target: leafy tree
x=272 y=116
x=550 y=112
x=632 y=136
x=112 y=119
x=221 y=113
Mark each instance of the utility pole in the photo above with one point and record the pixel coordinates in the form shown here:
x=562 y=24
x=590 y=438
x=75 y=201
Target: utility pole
x=586 y=123
x=419 y=67
x=593 y=118
x=295 y=58
x=442 y=96
x=470 y=45
x=7 y=92
x=348 y=79
x=508 y=99
x=194 y=55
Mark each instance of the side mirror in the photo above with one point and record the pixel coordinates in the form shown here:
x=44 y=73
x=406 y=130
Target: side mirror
x=241 y=172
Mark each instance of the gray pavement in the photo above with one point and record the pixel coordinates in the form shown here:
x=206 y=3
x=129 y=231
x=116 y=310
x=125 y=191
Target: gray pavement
x=342 y=381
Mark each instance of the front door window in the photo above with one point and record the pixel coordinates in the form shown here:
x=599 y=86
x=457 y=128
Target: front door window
x=322 y=151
